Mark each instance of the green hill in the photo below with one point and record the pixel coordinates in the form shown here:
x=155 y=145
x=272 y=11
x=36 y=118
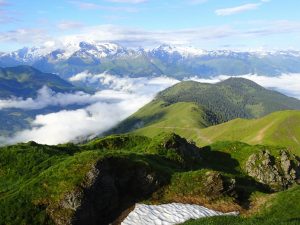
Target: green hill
x=189 y=107
x=279 y=128
x=184 y=118
x=94 y=183
x=24 y=81
x=230 y=99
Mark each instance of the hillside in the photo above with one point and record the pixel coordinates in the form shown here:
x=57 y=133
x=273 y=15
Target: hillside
x=62 y=184
x=157 y=116
x=281 y=208
x=189 y=106
x=24 y=81
x=279 y=128
x=230 y=99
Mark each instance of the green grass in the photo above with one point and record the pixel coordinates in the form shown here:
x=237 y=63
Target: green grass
x=279 y=128
x=34 y=178
x=283 y=209
x=158 y=116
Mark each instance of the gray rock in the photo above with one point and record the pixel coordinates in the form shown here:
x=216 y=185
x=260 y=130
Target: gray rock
x=278 y=173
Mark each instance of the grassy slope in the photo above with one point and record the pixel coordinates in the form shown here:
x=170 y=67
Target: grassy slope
x=282 y=208
x=35 y=177
x=183 y=118
x=279 y=128
x=230 y=99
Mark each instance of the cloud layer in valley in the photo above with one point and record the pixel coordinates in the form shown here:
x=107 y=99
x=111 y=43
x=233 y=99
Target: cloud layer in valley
x=100 y=111
x=117 y=98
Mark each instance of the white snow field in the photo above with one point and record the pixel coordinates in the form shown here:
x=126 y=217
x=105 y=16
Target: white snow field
x=168 y=214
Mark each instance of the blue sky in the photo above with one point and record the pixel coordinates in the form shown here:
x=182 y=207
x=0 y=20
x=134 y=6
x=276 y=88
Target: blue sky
x=209 y=24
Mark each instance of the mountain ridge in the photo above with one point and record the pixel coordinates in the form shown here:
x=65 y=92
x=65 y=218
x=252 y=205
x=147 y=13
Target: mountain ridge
x=199 y=111
x=176 y=61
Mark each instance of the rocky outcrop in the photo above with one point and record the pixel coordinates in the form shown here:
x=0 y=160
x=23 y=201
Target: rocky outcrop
x=217 y=185
x=182 y=151
x=277 y=172
x=111 y=186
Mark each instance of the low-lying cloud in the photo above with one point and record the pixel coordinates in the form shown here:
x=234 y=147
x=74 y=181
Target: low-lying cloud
x=100 y=111
x=117 y=98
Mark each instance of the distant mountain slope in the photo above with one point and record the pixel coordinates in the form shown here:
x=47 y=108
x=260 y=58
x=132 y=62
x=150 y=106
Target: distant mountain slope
x=190 y=105
x=230 y=99
x=179 y=62
x=279 y=128
x=24 y=81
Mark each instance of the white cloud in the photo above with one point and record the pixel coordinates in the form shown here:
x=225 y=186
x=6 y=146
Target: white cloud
x=105 y=109
x=65 y=126
x=134 y=37
x=67 y=25
x=237 y=9
x=141 y=85
x=25 y=36
x=46 y=97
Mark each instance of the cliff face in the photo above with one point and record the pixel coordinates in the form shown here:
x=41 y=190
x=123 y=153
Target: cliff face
x=109 y=188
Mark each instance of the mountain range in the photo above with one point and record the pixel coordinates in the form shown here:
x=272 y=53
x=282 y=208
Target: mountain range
x=175 y=61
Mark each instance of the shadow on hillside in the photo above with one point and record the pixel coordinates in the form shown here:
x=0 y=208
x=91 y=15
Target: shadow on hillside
x=119 y=185
x=124 y=181
x=223 y=162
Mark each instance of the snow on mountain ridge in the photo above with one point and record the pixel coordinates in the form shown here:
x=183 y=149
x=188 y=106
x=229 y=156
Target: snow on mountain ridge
x=99 y=50
x=181 y=50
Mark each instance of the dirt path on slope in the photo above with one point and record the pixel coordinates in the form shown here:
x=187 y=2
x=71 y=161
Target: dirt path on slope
x=197 y=130
x=261 y=134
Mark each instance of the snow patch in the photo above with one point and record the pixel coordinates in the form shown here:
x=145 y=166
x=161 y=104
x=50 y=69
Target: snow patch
x=168 y=214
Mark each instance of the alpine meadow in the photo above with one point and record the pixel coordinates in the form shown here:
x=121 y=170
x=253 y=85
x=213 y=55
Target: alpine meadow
x=145 y=112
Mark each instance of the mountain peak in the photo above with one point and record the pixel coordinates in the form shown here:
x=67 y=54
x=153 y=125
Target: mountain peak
x=180 y=50
x=240 y=82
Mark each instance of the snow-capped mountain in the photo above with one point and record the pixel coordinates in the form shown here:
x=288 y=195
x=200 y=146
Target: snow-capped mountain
x=178 y=50
x=74 y=57
x=98 y=50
